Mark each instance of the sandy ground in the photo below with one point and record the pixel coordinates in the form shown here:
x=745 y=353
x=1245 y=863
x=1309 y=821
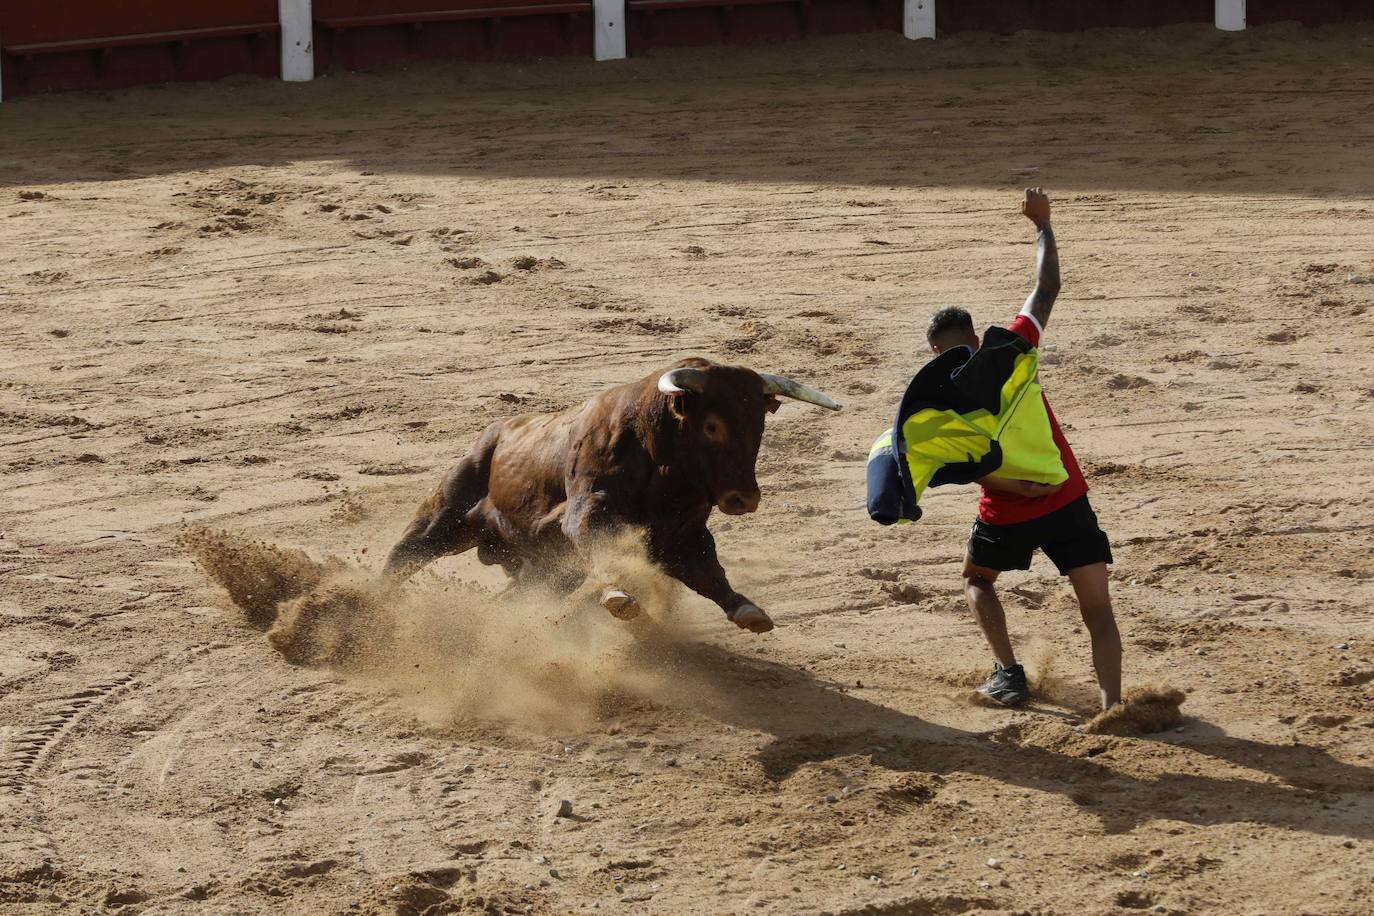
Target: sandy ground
x=282 y=310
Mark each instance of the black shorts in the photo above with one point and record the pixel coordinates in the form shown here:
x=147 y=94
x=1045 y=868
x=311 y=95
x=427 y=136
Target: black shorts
x=1069 y=536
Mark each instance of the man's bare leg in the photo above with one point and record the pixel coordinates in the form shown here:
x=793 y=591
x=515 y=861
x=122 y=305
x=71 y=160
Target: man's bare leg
x=1095 y=604
x=987 y=609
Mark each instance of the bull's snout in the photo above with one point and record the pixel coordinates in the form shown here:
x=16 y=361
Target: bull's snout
x=739 y=502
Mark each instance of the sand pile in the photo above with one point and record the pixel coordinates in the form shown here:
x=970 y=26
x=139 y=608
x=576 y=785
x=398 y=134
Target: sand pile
x=1144 y=710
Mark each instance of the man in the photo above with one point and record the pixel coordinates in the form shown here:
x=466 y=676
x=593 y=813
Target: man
x=1016 y=518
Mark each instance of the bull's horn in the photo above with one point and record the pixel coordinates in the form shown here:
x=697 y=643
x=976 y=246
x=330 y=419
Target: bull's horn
x=680 y=381
x=781 y=384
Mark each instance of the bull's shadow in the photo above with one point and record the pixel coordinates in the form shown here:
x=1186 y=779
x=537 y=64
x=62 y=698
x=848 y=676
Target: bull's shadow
x=811 y=720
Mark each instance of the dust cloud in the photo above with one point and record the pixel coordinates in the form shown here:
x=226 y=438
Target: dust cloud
x=450 y=651
x=1048 y=683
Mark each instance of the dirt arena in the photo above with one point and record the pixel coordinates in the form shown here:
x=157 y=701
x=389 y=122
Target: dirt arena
x=282 y=310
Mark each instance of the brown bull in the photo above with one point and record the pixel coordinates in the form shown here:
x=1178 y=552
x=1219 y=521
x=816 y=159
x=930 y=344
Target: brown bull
x=659 y=454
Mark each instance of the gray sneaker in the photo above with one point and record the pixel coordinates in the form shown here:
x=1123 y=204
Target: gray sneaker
x=1007 y=686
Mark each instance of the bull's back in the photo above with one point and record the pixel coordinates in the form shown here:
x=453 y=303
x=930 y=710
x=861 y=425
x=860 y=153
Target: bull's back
x=528 y=467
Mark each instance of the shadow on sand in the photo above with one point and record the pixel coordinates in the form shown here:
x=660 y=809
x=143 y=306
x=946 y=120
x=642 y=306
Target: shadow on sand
x=1068 y=110
x=1291 y=786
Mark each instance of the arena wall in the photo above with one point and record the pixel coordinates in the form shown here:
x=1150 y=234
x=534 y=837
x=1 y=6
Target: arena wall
x=86 y=44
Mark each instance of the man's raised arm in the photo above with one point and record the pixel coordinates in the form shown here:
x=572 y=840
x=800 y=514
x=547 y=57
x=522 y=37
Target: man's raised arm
x=1036 y=208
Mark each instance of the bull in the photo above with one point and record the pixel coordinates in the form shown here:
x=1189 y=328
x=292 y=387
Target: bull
x=535 y=494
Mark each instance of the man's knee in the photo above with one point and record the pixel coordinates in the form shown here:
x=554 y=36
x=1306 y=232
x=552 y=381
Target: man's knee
x=979 y=577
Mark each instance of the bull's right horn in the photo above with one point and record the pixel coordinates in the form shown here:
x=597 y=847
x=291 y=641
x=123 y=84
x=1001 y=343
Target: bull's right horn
x=781 y=384
x=680 y=381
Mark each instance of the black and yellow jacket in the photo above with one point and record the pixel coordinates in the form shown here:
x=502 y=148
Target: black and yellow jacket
x=964 y=416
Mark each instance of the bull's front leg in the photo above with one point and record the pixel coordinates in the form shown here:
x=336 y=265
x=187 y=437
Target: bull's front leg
x=690 y=557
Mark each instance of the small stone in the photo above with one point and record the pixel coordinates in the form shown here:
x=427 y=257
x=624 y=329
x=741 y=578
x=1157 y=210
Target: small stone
x=469 y=768
x=1159 y=908
x=839 y=868
x=994 y=863
x=1341 y=645
x=1142 y=873
x=553 y=873
x=541 y=860
x=565 y=808
x=985 y=885
x=830 y=799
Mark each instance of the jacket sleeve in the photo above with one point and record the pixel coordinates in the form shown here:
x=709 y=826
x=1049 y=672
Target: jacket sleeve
x=888 y=503
x=968 y=471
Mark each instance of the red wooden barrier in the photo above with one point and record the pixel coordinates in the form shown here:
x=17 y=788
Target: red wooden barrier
x=368 y=33
x=668 y=23
x=1308 y=12
x=63 y=44
x=48 y=45
x=1007 y=16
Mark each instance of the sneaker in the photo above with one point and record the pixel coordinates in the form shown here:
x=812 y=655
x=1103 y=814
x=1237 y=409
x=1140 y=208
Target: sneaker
x=1007 y=686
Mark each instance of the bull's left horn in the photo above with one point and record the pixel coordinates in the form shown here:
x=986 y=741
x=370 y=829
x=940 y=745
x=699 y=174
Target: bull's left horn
x=680 y=381
x=782 y=385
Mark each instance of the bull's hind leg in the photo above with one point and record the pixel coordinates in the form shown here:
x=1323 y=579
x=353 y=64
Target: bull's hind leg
x=436 y=531
x=450 y=521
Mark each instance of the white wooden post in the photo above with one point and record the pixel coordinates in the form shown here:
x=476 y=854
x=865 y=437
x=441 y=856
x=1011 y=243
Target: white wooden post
x=918 y=19
x=297 y=40
x=1230 y=15
x=608 y=40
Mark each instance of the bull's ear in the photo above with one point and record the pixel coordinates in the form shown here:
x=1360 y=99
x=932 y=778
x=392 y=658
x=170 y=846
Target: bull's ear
x=772 y=404
x=678 y=405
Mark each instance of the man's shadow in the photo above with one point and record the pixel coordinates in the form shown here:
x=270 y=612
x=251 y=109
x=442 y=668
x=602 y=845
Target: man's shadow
x=813 y=721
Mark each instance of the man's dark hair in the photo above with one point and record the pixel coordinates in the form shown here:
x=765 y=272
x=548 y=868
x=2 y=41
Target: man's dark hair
x=951 y=318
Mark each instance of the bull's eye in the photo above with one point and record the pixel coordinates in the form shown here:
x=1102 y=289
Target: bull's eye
x=714 y=429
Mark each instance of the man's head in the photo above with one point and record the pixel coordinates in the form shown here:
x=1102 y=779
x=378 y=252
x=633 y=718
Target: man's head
x=949 y=328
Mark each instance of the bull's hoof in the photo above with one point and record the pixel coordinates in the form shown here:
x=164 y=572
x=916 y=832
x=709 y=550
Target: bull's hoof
x=621 y=605
x=752 y=618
